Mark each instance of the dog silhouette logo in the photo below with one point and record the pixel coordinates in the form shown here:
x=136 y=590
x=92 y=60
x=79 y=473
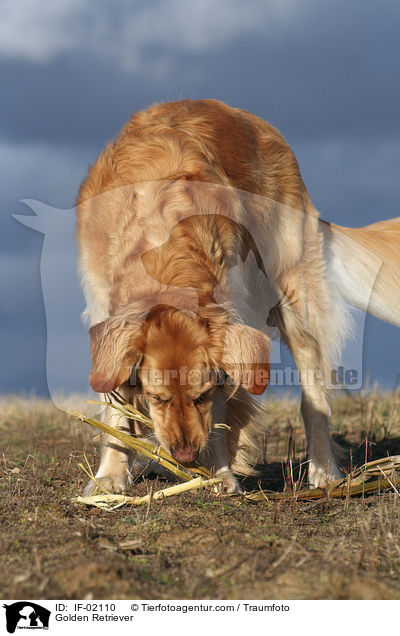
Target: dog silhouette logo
x=26 y=615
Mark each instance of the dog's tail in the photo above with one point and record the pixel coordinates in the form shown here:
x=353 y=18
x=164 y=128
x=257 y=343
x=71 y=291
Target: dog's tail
x=365 y=266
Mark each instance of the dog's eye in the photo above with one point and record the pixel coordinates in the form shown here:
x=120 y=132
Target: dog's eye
x=202 y=397
x=158 y=398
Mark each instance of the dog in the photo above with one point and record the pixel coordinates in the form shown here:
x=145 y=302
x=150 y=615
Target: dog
x=198 y=242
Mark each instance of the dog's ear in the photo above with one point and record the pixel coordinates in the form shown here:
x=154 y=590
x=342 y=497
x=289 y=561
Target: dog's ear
x=114 y=352
x=246 y=357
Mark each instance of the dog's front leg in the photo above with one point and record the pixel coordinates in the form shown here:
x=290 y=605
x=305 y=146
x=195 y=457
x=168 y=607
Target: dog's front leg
x=316 y=416
x=307 y=354
x=112 y=474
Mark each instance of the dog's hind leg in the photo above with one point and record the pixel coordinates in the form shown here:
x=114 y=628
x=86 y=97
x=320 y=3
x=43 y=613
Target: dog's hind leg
x=217 y=456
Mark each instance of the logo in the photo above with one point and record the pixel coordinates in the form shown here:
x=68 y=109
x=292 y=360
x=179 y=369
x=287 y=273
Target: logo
x=26 y=615
x=255 y=293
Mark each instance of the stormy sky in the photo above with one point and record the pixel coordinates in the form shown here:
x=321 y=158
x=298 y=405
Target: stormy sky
x=327 y=75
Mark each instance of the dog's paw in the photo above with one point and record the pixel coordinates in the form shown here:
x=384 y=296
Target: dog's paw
x=229 y=484
x=107 y=483
x=319 y=477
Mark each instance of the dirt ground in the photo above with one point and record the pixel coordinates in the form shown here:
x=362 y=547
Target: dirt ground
x=198 y=545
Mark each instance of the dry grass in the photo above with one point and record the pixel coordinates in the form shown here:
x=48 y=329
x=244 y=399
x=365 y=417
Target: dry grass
x=371 y=476
x=196 y=545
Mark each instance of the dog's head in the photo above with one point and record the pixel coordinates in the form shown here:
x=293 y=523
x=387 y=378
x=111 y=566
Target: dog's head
x=178 y=358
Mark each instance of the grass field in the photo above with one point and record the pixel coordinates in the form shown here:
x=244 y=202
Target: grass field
x=197 y=545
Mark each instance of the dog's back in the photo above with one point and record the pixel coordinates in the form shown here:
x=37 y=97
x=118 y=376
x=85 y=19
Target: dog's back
x=201 y=141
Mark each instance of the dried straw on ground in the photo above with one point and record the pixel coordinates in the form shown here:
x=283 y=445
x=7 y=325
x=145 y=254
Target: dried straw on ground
x=371 y=477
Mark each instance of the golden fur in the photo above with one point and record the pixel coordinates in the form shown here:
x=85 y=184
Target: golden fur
x=186 y=194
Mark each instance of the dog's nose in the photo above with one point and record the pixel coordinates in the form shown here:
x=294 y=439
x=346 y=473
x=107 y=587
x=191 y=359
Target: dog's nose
x=185 y=454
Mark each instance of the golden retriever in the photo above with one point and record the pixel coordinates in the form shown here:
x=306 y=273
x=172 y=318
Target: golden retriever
x=197 y=241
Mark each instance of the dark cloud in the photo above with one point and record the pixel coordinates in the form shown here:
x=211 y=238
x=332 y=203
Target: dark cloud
x=22 y=326
x=331 y=68
x=351 y=182
x=65 y=102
